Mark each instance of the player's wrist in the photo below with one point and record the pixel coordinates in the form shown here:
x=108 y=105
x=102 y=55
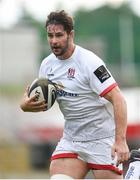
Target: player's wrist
x=120 y=138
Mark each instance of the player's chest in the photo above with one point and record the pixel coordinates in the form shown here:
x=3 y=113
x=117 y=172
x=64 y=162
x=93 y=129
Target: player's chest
x=68 y=76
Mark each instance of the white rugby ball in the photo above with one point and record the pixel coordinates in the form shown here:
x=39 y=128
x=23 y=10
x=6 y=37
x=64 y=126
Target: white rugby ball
x=45 y=91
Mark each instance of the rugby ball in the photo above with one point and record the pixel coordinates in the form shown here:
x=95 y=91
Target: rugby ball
x=45 y=91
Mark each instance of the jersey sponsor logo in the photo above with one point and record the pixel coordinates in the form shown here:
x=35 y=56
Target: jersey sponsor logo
x=60 y=92
x=71 y=73
x=102 y=74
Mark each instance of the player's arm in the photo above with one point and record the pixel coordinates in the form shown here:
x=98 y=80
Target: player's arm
x=120 y=112
x=30 y=105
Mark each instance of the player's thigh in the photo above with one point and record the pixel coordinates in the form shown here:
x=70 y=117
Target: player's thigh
x=106 y=174
x=75 y=168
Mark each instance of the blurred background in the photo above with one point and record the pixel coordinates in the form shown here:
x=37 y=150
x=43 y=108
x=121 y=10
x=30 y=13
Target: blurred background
x=110 y=28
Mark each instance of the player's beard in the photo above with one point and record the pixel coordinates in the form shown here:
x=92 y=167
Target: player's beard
x=61 y=50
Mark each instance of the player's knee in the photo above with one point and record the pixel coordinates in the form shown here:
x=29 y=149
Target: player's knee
x=60 y=176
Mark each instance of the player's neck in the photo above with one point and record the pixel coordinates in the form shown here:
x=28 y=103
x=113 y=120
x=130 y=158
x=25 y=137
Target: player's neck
x=68 y=53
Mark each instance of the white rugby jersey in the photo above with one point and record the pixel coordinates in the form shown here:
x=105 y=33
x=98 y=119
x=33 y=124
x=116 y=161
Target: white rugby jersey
x=82 y=80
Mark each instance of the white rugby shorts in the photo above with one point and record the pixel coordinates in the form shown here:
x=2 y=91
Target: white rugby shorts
x=97 y=153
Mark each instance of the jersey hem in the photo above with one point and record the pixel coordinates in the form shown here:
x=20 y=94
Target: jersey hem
x=64 y=155
x=105 y=167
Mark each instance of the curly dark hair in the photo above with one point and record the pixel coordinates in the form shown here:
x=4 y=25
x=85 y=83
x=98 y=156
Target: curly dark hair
x=62 y=18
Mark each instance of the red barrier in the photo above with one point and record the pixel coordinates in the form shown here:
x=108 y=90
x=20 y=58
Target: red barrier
x=133 y=131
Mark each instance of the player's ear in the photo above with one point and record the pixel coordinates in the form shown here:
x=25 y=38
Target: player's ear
x=72 y=34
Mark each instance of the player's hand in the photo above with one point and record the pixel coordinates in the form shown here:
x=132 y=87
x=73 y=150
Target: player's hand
x=30 y=104
x=121 y=150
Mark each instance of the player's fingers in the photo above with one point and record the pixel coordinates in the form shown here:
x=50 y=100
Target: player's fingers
x=125 y=156
x=41 y=104
x=42 y=107
x=119 y=159
x=122 y=157
x=113 y=152
x=27 y=88
x=35 y=104
x=26 y=92
x=34 y=98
